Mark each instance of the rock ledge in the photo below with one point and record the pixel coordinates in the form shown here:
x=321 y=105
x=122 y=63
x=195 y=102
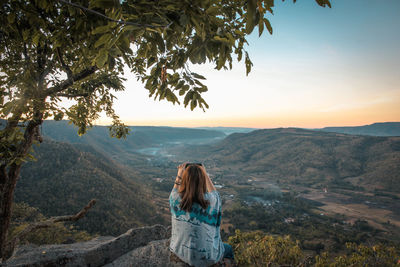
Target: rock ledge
x=96 y=252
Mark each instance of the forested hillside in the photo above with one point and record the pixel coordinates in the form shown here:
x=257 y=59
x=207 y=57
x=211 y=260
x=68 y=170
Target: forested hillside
x=311 y=158
x=375 y=129
x=139 y=137
x=66 y=177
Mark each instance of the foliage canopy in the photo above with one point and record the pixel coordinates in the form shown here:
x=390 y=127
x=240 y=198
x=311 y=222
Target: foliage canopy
x=52 y=50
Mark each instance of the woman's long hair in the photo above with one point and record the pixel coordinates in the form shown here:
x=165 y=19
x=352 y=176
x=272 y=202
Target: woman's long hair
x=193 y=187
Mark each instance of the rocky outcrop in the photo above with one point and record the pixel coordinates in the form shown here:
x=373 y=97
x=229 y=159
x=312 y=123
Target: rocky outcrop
x=155 y=254
x=97 y=252
x=145 y=246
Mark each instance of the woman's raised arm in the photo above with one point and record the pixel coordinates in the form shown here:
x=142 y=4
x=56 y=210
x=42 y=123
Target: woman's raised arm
x=209 y=183
x=178 y=179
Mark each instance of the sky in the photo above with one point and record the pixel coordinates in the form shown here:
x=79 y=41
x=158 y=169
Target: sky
x=320 y=67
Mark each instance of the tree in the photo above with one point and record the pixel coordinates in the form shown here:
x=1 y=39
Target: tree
x=77 y=50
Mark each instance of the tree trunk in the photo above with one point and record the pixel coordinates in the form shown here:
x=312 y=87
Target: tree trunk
x=8 y=180
x=6 y=200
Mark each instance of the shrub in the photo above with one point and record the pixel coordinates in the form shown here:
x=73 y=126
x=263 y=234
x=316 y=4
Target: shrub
x=361 y=255
x=259 y=249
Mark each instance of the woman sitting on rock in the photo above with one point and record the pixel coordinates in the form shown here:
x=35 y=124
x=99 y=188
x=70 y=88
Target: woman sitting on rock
x=196 y=218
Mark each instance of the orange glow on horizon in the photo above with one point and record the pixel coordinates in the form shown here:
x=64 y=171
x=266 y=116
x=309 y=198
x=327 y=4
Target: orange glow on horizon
x=379 y=112
x=310 y=120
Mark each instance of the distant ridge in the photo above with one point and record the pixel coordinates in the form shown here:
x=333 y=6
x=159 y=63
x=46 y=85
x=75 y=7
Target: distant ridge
x=310 y=158
x=228 y=130
x=375 y=129
x=139 y=137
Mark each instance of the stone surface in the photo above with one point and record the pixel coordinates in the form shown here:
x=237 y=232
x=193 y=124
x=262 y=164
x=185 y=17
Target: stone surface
x=155 y=254
x=146 y=246
x=96 y=252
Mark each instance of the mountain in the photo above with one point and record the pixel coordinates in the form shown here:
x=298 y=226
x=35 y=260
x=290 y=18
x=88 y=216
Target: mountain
x=376 y=129
x=229 y=130
x=311 y=158
x=71 y=170
x=140 y=136
x=66 y=177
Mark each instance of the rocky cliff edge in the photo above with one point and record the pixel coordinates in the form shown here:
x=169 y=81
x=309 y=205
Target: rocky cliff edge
x=145 y=246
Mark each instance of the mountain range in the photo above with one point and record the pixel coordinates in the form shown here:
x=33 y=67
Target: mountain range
x=307 y=157
x=375 y=129
x=70 y=170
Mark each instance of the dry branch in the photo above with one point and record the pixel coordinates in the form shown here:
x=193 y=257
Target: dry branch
x=44 y=224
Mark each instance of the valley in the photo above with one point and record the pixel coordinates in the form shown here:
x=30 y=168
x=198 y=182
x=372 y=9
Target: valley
x=323 y=189
x=326 y=190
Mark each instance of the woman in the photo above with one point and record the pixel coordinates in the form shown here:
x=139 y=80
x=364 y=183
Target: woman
x=196 y=218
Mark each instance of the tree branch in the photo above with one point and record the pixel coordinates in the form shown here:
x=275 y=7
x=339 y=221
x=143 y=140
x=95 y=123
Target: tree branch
x=44 y=224
x=23 y=148
x=113 y=20
x=65 y=66
x=25 y=51
x=72 y=95
x=65 y=84
x=75 y=217
x=42 y=62
x=14 y=120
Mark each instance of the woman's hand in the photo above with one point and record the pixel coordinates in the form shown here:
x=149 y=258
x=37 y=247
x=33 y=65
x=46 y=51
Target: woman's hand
x=181 y=169
x=178 y=179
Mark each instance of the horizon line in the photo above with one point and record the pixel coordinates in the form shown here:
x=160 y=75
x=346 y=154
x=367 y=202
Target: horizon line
x=244 y=127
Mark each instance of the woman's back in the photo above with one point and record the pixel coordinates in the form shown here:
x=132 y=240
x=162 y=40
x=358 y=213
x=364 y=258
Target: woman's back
x=196 y=233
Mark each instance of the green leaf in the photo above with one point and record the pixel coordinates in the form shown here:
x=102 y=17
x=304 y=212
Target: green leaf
x=240 y=54
x=268 y=25
x=248 y=64
x=25 y=35
x=221 y=39
x=251 y=14
x=204 y=103
x=213 y=10
x=101 y=58
x=198 y=76
x=102 y=40
x=180 y=84
x=160 y=42
x=260 y=27
x=193 y=104
x=187 y=98
x=36 y=38
x=102 y=4
x=7 y=108
x=202 y=89
x=11 y=18
x=101 y=29
x=324 y=3
x=59 y=116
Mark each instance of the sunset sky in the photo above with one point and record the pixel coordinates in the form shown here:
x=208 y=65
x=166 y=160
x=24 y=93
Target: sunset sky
x=321 y=67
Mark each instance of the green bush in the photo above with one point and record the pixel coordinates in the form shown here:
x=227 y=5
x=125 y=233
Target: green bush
x=361 y=255
x=259 y=249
